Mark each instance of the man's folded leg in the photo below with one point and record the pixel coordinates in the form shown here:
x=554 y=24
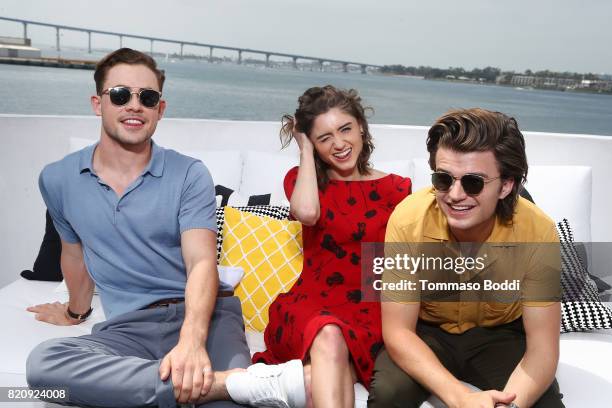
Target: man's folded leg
x=96 y=374
x=393 y=387
x=115 y=366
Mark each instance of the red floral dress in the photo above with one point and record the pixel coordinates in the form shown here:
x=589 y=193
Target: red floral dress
x=328 y=290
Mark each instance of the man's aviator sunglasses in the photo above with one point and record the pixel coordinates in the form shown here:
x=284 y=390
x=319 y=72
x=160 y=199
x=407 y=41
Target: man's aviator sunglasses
x=472 y=183
x=121 y=95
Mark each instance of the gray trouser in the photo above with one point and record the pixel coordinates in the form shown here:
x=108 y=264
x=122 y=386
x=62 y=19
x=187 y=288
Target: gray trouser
x=117 y=365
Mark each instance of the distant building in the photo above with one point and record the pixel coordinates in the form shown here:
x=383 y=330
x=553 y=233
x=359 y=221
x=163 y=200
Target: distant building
x=597 y=85
x=522 y=80
x=11 y=47
x=543 y=82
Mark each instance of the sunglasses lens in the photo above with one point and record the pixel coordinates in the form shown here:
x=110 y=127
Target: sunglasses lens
x=149 y=98
x=119 y=96
x=441 y=181
x=472 y=184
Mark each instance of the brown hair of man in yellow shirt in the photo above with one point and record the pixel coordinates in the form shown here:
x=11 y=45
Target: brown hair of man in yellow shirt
x=487 y=144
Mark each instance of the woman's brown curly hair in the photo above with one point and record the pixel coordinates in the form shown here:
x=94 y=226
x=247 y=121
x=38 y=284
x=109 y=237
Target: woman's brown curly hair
x=319 y=100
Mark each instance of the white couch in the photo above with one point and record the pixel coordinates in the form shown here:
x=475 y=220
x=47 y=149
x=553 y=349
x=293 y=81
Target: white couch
x=246 y=157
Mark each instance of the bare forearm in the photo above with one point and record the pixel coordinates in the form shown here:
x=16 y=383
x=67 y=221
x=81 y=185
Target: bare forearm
x=200 y=299
x=536 y=370
x=79 y=283
x=415 y=357
x=305 y=198
x=533 y=375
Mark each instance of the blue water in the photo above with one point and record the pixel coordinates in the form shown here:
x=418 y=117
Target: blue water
x=197 y=89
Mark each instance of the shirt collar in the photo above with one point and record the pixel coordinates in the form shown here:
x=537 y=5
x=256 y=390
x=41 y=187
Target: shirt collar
x=86 y=158
x=435 y=225
x=155 y=167
x=156 y=164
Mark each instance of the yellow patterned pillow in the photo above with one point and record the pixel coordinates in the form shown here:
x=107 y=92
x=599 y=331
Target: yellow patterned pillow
x=269 y=251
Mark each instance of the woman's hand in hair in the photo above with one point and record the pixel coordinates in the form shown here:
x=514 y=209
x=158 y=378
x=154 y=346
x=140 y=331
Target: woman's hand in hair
x=303 y=141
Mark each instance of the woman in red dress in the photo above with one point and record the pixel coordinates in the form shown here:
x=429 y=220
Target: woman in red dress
x=340 y=201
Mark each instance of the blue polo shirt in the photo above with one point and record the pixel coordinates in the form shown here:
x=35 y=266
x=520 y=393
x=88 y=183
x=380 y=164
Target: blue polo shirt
x=131 y=244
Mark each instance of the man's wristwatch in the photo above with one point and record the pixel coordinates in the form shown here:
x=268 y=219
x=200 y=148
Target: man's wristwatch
x=510 y=405
x=82 y=317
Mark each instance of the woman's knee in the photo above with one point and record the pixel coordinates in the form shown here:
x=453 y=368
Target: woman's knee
x=330 y=343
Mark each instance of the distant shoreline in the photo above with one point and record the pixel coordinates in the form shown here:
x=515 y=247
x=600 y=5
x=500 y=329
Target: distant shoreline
x=476 y=82
x=72 y=63
x=50 y=62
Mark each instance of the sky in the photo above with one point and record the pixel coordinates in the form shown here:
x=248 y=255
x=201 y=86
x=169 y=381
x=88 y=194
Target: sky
x=560 y=35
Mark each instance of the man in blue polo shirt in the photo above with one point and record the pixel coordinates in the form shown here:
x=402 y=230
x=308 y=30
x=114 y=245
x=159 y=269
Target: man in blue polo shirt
x=138 y=222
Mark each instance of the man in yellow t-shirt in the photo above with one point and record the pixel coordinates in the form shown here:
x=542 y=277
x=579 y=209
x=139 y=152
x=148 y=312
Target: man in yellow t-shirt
x=510 y=349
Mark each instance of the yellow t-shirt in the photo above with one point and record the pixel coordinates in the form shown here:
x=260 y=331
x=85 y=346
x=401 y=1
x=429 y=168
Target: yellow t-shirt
x=418 y=219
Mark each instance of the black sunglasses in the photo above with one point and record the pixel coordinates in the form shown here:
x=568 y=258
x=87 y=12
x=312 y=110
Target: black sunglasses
x=472 y=183
x=120 y=95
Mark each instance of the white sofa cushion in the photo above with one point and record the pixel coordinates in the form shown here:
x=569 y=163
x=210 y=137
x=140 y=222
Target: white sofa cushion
x=264 y=172
x=78 y=143
x=404 y=168
x=225 y=166
x=564 y=192
x=422 y=174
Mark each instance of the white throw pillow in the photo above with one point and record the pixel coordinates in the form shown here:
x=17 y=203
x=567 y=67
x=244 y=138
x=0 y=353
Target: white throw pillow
x=422 y=174
x=404 y=168
x=225 y=166
x=78 y=143
x=264 y=173
x=564 y=192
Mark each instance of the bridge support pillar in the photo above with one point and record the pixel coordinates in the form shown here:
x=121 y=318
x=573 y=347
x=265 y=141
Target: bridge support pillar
x=210 y=54
x=57 y=38
x=120 y=41
x=267 y=60
x=295 y=63
x=182 y=50
x=363 y=69
x=344 y=67
x=321 y=65
x=239 y=56
x=151 y=48
x=25 y=31
x=89 y=42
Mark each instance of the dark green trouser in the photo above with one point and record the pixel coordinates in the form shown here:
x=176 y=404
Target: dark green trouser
x=483 y=357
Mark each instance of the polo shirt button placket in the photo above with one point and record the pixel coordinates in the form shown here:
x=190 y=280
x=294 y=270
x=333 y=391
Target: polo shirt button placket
x=117 y=210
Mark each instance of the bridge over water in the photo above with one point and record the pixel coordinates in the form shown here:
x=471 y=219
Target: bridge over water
x=211 y=47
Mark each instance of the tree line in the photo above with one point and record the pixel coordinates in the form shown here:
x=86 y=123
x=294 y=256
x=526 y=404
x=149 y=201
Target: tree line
x=487 y=74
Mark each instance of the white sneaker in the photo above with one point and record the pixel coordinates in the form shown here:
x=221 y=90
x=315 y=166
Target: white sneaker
x=270 y=386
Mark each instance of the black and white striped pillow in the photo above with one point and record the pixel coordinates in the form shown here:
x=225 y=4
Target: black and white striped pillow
x=273 y=211
x=581 y=309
